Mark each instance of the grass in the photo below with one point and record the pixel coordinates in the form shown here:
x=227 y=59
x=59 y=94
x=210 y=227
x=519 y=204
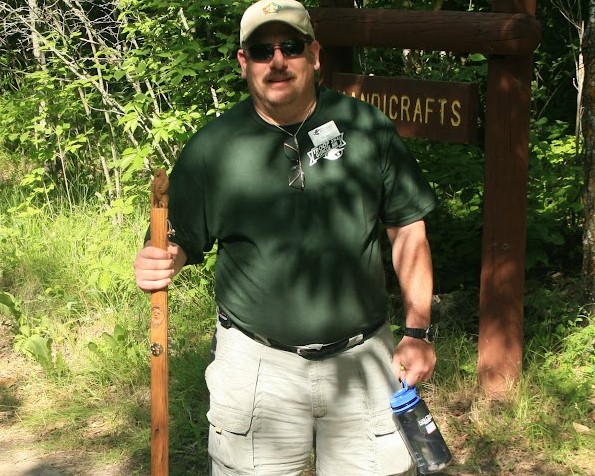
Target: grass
x=70 y=306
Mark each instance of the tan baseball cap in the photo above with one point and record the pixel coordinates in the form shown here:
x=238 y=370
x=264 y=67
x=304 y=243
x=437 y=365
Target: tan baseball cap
x=290 y=12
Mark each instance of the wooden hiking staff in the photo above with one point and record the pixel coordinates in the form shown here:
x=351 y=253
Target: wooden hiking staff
x=159 y=370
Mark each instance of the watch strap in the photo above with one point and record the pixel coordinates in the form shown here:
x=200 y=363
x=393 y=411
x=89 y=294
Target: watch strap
x=428 y=334
x=418 y=333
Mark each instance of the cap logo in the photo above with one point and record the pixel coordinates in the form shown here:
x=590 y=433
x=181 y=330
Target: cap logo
x=271 y=8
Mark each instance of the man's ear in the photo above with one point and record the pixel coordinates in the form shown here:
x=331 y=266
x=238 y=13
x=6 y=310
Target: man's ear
x=243 y=61
x=315 y=50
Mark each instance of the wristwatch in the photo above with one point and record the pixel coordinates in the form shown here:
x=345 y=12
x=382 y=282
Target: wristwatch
x=428 y=334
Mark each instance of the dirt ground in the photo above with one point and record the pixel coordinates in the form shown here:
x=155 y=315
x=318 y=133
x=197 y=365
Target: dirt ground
x=21 y=451
x=20 y=455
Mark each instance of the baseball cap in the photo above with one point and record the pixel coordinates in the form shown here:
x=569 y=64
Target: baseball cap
x=290 y=12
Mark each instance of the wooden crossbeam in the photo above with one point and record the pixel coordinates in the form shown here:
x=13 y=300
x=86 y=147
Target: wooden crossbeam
x=462 y=32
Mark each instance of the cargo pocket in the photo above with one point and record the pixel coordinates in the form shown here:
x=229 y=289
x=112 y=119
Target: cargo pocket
x=382 y=422
x=231 y=379
x=391 y=454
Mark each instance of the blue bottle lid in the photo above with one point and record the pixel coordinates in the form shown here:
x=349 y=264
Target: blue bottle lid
x=404 y=399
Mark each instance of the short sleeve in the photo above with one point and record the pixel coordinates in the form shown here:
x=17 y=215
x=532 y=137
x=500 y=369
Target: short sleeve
x=187 y=204
x=407 y=194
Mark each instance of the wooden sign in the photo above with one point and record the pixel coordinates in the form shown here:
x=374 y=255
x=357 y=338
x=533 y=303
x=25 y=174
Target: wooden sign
x=435 y=110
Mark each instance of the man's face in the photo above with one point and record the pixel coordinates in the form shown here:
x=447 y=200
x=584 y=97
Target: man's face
x=280 y=82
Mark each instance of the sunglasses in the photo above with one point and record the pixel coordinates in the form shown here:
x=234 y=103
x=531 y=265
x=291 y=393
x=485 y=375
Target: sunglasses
x=296 y=173
x=266 y=51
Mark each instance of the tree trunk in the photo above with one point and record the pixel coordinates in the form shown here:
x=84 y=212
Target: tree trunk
x=38 y=55
x=589 y=155
x=34 y=15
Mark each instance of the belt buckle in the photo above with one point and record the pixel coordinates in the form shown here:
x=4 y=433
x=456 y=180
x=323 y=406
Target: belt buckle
x=316 y=351
x=313 y=351
x=308 y=350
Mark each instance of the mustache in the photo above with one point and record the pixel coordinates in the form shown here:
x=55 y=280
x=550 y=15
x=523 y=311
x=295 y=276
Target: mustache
x=279 y=77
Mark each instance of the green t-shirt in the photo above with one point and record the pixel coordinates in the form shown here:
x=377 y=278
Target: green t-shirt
x=298 y=267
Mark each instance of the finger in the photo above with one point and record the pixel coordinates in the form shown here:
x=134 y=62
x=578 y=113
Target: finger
x=412 y=378
x=152 y=252
x=166 y=264
x=153 y=285
x=427 y=376
x=152 y=279
x=403 y=374
x=172 y=248
x=399 y=370
x=154 y=274
x=148 y=260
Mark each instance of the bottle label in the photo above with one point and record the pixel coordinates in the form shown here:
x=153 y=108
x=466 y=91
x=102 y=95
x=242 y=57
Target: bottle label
x=427 y=423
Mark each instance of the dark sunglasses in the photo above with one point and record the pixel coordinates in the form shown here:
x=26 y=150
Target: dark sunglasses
x=296 y=173
x=265 y=51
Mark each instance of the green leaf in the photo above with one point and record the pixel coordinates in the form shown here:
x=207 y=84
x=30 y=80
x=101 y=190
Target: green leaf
x=477 y=57
x=119 y=74
x=93 y=347
x=104 y=281
x=141 y=67
x=9 y=306
x=120 y=333
x=40 y=348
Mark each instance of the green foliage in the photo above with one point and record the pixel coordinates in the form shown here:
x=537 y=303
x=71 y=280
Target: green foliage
x=38 y=189
x=534 y=425
x=77 y=268
x=9 y=306
x=570 y=367
x=116 y=343
x=556 y=179
x=454 y=229
x=118 y=357
x=122 y=103
x=34 y=341
x=554 y=210
x=554 y=86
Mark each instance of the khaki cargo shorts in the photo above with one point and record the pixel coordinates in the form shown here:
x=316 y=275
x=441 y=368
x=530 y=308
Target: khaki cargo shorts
x=269 y=409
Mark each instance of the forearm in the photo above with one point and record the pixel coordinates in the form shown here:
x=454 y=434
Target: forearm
x=413 y=359
x=412 y=262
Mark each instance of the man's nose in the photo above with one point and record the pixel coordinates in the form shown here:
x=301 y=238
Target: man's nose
x=278 y=59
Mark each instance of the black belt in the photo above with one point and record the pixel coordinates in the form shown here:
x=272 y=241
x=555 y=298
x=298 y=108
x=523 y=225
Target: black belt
x=310 y=351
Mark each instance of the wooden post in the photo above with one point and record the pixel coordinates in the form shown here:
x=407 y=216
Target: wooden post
x=335 y=59
x=505 y=206
x=159 y=318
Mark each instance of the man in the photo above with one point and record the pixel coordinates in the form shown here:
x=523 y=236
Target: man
x=294 y=184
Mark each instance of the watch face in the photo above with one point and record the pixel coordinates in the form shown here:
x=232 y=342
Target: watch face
x=430 y=334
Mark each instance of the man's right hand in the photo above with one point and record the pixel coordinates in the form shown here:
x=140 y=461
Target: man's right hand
x=154 y=268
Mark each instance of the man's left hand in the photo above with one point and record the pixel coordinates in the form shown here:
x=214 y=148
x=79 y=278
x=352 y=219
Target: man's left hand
x=414 y=360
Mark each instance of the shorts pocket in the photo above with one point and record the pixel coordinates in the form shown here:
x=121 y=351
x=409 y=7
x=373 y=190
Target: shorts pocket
x=231 y=379
x=375 y=368
x=390 y=452
x=229 y=419
x=382 y=422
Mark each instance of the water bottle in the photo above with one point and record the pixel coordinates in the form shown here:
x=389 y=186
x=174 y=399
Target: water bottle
x=417 y=427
